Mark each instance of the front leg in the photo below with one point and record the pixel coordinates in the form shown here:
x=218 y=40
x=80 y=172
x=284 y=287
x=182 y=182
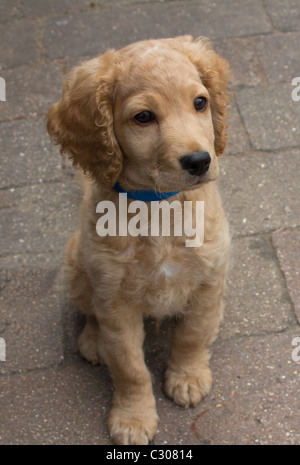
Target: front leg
x=133 y=417
x=188 y=377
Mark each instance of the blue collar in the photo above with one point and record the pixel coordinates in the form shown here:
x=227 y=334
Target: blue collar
x=146 y=196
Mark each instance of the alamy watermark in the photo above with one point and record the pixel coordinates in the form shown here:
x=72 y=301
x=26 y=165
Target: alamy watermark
x=296 y=90
x=2 y=90
x=2 y=350
x=152 y=219
x=296 y=351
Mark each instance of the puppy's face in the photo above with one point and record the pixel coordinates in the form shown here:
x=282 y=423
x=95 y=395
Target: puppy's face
x=151 y=115
x=163 y=122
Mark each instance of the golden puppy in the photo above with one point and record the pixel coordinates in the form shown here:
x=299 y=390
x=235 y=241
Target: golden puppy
x=148 y=118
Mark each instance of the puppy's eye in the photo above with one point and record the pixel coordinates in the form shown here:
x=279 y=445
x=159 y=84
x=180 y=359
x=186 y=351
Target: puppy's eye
x=200 y=103
x=144 y=117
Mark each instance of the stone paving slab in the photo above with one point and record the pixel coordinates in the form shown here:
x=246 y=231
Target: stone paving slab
x=27 y=155
x=257 y=301
x=36 y=8
x=287 y=244
x=90 y=33
x=279 y=55
x=31 y=260
x=244 y=65
x=23 y=37
x=9 y=11
x=254 y=400
x=260 y=191
x=32 y=9
x=65 y=405
x=30 y=320
x=38 y=218
x=30 y=90
x=238 y=139
x=270 y=116
x=285 y=15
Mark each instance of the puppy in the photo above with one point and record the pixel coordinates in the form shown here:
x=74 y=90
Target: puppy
x=151 y=118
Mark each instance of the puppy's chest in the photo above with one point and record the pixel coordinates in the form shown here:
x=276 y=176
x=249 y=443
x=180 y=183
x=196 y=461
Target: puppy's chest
x=165 y=279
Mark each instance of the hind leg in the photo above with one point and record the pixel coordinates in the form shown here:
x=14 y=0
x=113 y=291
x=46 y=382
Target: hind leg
x=80 y=291
x=77 y=283
x=88 y=341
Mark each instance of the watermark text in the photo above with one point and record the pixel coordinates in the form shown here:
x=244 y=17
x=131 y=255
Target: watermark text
x=154 y=219
x=296 y=90
x=296 y=351
x=2 y=350
x=2 y=90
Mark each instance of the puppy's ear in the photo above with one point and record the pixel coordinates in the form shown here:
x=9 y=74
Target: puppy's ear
x=82 y=121
x=214 y=73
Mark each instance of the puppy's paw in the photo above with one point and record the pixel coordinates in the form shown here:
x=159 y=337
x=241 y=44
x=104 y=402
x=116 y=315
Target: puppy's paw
x=128 y=427
x=187 y=390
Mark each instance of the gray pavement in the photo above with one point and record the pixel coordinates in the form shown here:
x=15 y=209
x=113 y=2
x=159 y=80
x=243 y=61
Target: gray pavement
x=48 y=394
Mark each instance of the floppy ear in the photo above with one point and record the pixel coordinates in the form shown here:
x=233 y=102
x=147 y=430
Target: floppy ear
x=214 y=73
x=82 y=121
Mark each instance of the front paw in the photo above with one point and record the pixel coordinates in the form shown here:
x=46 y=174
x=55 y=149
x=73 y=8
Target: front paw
x=187 y=390
x=132 y=426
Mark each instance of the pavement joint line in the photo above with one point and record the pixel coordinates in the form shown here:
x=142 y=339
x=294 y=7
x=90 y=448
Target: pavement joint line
x=267 y=15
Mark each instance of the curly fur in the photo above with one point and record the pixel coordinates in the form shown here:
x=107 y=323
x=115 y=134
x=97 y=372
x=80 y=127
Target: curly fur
x=118 y=280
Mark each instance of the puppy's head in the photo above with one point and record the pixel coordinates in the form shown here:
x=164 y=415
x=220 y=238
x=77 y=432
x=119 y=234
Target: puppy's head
x=152 y=115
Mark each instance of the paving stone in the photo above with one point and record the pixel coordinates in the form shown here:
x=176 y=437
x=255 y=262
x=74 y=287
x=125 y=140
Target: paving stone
x=254 y=399
x=238 y=139
x=92 y=32
x=30 y=320
x=41 y=261
x=257 y=301
x=284 y=15
x=279 y=55
x=9 y=10
x=260 y=191
x=68 y=405
x=22 y=34
x=38 y=218
x=245 y=67
x=270 y=116
x=27 y=155
x=30 y=90
x=287 y=244
x=36 y=8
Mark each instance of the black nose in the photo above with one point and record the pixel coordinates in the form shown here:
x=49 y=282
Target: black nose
x=196 y=163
